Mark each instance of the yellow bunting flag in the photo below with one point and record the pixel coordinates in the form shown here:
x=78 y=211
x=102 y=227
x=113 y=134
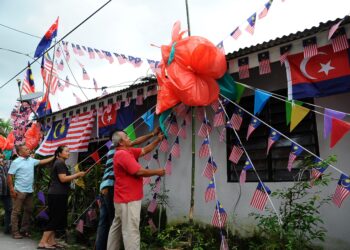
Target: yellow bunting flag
x=298 y=114
x=79 y=182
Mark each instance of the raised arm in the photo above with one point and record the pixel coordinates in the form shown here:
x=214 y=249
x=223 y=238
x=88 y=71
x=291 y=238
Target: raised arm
x=47 y=160
x=151 y=146
x=144 y=138
x=69 y=178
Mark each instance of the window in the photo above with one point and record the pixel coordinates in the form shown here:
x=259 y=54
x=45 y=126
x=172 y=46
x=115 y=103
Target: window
x=272 y=167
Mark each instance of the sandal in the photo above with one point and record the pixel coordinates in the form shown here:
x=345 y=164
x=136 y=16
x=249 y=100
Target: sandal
x=17 y=236
x=58 y=246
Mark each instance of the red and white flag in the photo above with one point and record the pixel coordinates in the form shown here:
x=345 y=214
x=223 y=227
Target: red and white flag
x=182 y=132
x=340 y=40
x=205 y=128
x=80 y=226
x=342 y=191
x=175 y=150
x=264 y=63
x=260 y=197
x=236 y=154
x=210 y=168
x=236 y=33
x=168 y=165
x=284 y=52
x=153 y=204
x=49 y=74
x=219 y=216
x=243 y=68
x=219 y=118
x=164 y=145
x=237 y=119
x=310 y=47
x=204 y=149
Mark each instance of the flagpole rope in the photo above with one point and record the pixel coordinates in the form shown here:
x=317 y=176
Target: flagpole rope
x=283 y=98
x=286 y=137
x=84 y=211
x=247 y=155
x=70 y=32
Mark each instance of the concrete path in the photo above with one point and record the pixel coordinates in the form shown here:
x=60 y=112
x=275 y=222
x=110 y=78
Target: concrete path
x=7 y=243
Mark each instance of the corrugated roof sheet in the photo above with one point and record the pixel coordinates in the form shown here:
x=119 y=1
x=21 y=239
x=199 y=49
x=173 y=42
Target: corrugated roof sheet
x=288 y=38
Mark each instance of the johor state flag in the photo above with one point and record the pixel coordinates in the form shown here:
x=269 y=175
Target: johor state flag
x=324 y=74
x=46 y=40
x=107 y=119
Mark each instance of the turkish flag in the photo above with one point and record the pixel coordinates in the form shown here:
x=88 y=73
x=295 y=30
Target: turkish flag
x=107 y=119
x=324 y=74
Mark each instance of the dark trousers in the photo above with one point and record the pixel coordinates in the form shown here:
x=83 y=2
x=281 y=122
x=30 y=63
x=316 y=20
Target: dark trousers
x=6 y=201
x=105 y=219
x=22 y=201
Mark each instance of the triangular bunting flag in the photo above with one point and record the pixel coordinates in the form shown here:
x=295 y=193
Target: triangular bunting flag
x=148 y=118
x=239 y=92
x=260 y=100
x=298 y=114
x=327 y=125
x=130 y=131
x=339 y=129
x=289 y=110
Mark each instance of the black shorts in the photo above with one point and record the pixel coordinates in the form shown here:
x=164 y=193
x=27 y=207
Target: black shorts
x=58 y=212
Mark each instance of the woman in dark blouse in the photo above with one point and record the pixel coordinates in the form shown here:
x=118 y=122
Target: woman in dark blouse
x=58 y=198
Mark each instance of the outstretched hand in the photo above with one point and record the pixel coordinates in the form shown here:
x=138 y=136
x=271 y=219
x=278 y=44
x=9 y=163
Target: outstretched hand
x=156 y=131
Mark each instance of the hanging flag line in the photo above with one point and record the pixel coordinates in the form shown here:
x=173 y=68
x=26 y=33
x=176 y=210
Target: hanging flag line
x=247 y=155
x=213 y=174
x=92 y=203
x=67 y=34
x=286 y=137
x=283 y=98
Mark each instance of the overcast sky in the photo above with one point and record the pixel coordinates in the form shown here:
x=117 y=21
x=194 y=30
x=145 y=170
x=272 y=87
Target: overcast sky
x=130 y=27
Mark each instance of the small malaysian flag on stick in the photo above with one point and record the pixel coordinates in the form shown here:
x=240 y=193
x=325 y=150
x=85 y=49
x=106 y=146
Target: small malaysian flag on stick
x=58 y=52
x=237 y=118
x=91 y=53
x=173 y=128
x=236 y=33
x=209 y=194
x=210 y=168
x=121 y=58
x=318 y=170
x=264 y=12
x=204 y=149
x=243 y=68
x=168 y=165
x=247 y=165
x=260 y=196
x=273 y=137
x=219 y=117
x=236 y=154
x=342 y=191
x=219 y=216
x=157 y=183
x=340 y=40
x=310 y=47
x=80 y=226
x=264 y=63
x=284 y=52
x=164 y=145
x=100 y=55
x=205 y=128
x=296 y=151
x=153 y=204
x=175 y=150
x=251 y=24
x=85 y=75
x=215 y=105
x=254 y=123
x=182 y=132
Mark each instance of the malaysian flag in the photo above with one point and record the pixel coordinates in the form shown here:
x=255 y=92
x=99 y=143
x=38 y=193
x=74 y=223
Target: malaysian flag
x=342 y=191
x=205 y=128
x=95 y=84
x=121 y=58
x=264 y=63
x=340 y=40
x=60 y=65
x=100 y=55
x=236 y=33
x=236 y=154
x=220 y=46
x=223 y=245
x=66 y=82
x=237 y=118
x=77 y=99
x=91 y=53
x=67 y=55
x=188 y=117
x=58 y=52
x=153 y=204
x=215 y=105
x=75 y=49
x=108 y=56
x=181 y=110
x=243 y=68
x=209 y=194
x=80 y=226
x=152 y=225
x=80 y=52
x=153 y=65
x=182 y=132
x=317 y=171
x=173 y=128
x=219 y=216
x=260 y=196
x=200 y=113
x=74 y=133
x=254 y=123
x=164 y=145
x=219 y=117
x=85 y=75
x=28 y=82
x=168 y=165
x=284 y=52
x=204 y=149
x=210 y=168
x=175 y=150
x=135 y=61
x=139 y=97
x=60 y=86
x=251 y=24
x=333 y=29
x=157 y=183
x=273 y=137
x=310 y=47
x=264 y=12
x=247 y=165
x=223 y=133
x=49 y=74
x=156 y=158
x=296 y=151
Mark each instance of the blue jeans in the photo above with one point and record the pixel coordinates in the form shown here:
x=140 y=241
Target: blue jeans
x=105 y=220
x=6 y=201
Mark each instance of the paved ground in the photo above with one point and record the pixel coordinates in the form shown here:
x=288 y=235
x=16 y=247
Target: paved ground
x=7 y=243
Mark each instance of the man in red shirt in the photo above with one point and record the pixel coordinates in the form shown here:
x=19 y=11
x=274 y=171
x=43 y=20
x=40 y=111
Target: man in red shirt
x=128 y=190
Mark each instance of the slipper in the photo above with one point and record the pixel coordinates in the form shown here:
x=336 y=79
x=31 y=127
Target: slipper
x=59 y=246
